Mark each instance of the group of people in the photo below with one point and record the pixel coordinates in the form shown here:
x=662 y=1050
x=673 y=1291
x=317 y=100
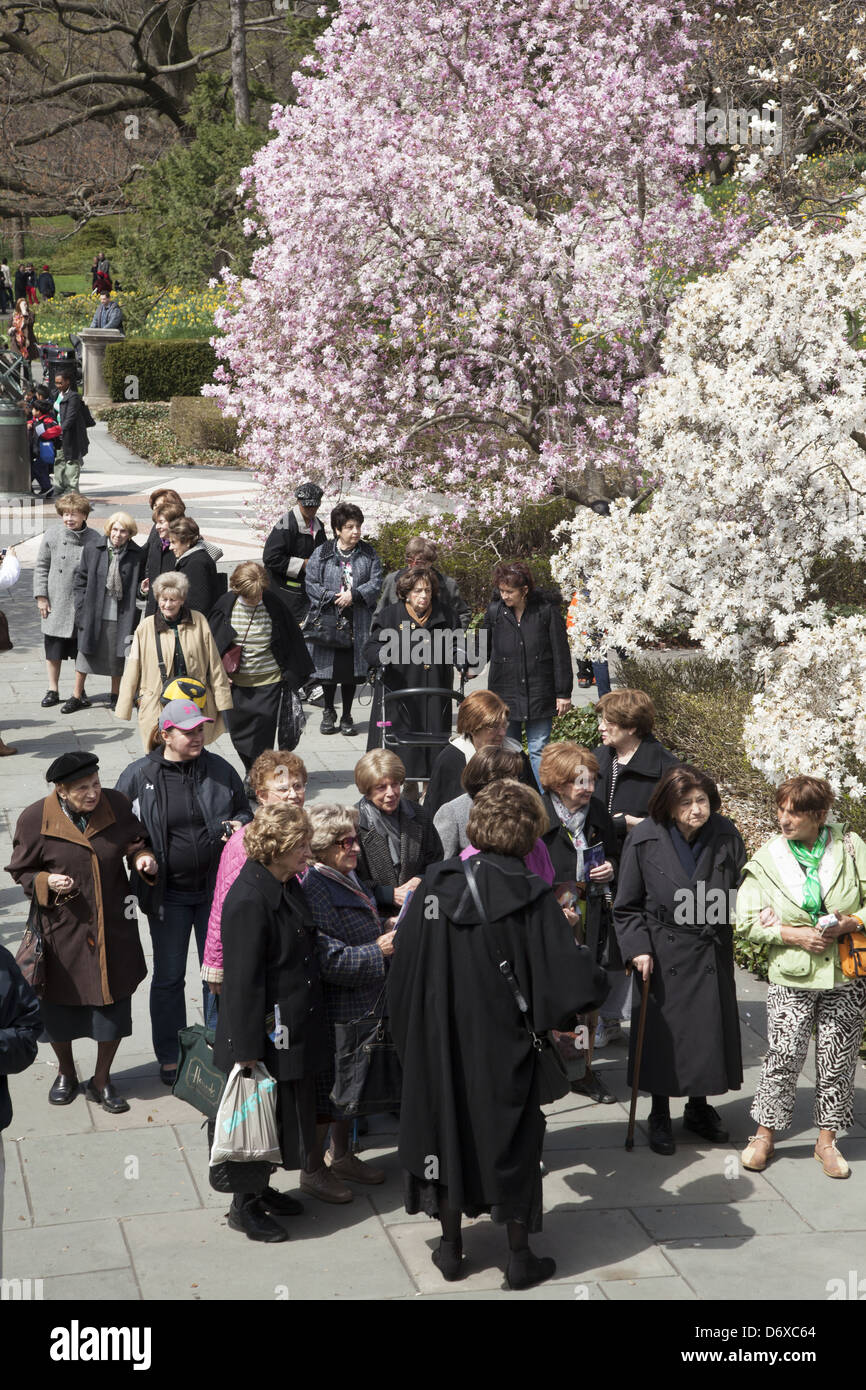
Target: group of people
x=529 y=892
x=28 y=284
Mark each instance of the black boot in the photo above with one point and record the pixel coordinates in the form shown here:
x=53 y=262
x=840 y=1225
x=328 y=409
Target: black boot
x=525 y=1269
x=661 y=1135
x=248 y=1215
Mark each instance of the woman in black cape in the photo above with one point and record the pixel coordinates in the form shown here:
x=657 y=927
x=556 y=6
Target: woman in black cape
x=471 y=1127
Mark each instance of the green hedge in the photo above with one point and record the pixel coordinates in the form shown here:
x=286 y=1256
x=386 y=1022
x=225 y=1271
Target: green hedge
x=199 y=423
x=160 y=368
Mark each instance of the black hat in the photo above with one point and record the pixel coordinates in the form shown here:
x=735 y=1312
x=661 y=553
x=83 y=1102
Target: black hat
x=70 y=766
x=309 y=495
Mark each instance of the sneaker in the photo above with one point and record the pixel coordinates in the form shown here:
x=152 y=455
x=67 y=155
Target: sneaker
x=251 y=1218
x=313 y=695
x=351 y=1167
x=607 y=1030
x=326 y=1186
x=329 y=722
x=346 y=726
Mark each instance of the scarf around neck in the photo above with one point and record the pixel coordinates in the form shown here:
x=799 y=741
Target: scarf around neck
x=350 y=881
x=113 y=581
x=573 y=823
x=389 y=826
x=810 y=861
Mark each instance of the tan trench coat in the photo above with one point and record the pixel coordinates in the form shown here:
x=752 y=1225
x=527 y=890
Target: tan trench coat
x=141 y=674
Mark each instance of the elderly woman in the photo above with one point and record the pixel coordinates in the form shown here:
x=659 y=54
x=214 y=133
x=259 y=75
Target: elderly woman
x=68 y=855
x=801 y=895
x=60 y=552
x=584 y=849
x=193 y=559
x=273 y=657
x=415 y=642
x=352 y=951
x=397 y=838
x=482 y=721
x=166 y=506
x=277 y=778
x=631 y=761
x=343 y=579
x=268 y=941
x=471 y=1127
x=530 y=660
x=175 y=642
x=105 y=586
x=672 y=916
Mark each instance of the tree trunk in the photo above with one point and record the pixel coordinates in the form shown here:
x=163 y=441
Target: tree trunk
x=240 y=90
x=16 y=236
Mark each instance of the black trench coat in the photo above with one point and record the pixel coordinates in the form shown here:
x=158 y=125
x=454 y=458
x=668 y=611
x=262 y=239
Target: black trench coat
x=692 y=1041
x=470 y=1117
x=636 y=780
x=416 y=713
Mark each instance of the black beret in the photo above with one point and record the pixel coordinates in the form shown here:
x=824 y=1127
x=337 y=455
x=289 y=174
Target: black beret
x=70 y=766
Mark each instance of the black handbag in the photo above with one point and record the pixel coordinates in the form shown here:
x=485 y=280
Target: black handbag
x=368 y=1077
x=30 y=957
x=292 y=718
x=198 y=1080
x=328 y=629
x=233 y=1176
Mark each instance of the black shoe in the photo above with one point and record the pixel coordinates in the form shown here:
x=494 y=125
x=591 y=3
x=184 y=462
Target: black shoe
x=253 y=1220
x=661 y=1135
x=64 y=1090
x=112 y=702
x=593 y=1087
x=281 y=1203
x=705 y=1121
x=525 y=1270
x=346 y=726
x=329 y=722
x=50 y=698
x=168 y=1075
x=448 y=1259
x=107 y=1098
x=74 y=704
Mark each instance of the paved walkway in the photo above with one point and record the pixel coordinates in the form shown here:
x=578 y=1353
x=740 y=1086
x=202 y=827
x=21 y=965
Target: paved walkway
x=102 y=1207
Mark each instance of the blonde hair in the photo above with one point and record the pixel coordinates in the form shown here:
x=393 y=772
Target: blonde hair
x=274 y=830
x=73 y=502
x=249 y=580
x=378 y=763
x=120 y=519
x=171 y=580
x=329 y=823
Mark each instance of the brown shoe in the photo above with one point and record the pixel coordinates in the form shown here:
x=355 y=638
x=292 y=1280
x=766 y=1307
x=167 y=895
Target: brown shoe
x=832 y=1161
x=757 y=1153
x=6 y=751
x=353 y=1169
x=324 y=1185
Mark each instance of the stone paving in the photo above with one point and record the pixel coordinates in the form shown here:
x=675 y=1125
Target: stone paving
x=101 y=1207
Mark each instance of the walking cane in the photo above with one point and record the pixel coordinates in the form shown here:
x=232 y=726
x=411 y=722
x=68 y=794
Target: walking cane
x=638 y=1053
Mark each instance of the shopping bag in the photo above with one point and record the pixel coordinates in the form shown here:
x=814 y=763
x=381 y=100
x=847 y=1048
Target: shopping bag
x=246 y=1122
x=198 y=1080
x=292 y=719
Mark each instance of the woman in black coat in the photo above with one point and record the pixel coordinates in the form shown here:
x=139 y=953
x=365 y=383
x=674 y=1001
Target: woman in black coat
x=195 y=561
x=672 y=916
x=274 y=658
x=269 y=964
x=397 y=838
x=105 y=587
x=471 y=1127
x=482 y=720
x=414 y=642
x=530 y=660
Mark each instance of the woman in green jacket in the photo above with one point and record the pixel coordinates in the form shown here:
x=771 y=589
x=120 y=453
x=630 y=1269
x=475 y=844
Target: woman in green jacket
x=811 y=872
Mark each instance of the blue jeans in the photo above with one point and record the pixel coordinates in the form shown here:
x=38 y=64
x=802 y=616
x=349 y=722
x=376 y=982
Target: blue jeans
x=537 y=735
x=602 y=677
x=182 y=913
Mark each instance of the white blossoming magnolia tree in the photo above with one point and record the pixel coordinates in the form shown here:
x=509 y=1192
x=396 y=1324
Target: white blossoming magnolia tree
x=472 y=225
x=756 y=432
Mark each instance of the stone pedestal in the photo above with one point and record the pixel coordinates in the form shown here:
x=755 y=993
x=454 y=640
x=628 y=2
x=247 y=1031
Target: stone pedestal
x=94 y=341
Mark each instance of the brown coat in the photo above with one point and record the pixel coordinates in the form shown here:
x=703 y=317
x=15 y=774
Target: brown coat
x=94 y=953
x=141 y=674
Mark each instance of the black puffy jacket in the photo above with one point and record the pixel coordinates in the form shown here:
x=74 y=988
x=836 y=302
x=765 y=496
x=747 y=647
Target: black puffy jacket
x=530 y=661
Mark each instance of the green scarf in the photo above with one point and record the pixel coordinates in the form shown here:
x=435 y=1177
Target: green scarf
x=810 y=859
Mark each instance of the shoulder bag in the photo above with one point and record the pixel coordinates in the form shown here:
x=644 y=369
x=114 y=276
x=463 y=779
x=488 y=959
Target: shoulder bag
x=852 y=948
x=368 y=1078
x=30 y=957
x=328 y=629
x=231 y=657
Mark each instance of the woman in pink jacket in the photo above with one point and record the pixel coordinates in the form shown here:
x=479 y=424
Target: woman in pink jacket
x=275 y=776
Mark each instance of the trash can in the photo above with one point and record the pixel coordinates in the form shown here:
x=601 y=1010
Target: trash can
x=53 y=358
x=14 y=453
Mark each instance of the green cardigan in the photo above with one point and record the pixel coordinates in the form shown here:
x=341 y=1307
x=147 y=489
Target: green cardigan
x=773 y=878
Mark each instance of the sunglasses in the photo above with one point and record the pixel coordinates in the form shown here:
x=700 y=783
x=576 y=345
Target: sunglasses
x=350 y=842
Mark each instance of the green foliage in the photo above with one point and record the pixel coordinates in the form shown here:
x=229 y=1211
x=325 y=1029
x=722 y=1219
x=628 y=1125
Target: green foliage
x=751 y=957
x=187 y=220
x=69 y=252
x=162 y=369
x=143 y=427
x=198 y=423
x=470 y=556
x=580 y=725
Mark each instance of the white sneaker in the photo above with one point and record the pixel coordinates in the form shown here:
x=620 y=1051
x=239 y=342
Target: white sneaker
x=607 y=1030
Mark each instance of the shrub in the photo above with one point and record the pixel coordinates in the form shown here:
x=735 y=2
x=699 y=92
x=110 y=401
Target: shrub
x=144 y=427
x=198 y=423
x=578 y=726
x=161 y=369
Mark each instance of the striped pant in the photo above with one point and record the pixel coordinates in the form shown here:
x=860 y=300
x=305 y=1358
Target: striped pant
x=837 y=1016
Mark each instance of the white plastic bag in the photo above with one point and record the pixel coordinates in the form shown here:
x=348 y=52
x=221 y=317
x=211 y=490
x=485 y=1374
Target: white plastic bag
x=246 y=1122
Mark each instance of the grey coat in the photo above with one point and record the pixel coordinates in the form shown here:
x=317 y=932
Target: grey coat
x=451 y=821
x=89 y=585
x=322 y=577
x=59 y=554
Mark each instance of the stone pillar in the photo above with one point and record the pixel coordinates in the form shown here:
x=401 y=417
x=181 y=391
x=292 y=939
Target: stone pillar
x=94 y=341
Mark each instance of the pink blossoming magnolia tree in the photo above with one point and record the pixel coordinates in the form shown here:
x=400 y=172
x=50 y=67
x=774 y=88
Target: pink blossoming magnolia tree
x=472 y=226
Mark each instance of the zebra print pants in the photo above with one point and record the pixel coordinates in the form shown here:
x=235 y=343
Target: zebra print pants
x=837 y=1017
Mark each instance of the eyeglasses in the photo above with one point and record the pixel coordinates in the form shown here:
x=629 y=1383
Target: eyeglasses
x=350 y=842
